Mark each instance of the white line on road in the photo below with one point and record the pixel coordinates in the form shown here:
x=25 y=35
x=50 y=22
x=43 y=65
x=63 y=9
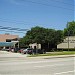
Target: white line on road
x=49 y=65
x=32 y=62
x=64 y=72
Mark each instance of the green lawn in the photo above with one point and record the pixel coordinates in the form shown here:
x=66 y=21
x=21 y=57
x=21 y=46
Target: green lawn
x=55 y=53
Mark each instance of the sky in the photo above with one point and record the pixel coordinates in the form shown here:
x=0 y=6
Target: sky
x=25 y=14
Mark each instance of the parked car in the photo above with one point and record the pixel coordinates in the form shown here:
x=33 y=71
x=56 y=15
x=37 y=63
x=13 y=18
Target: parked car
x=16 y=49
x=28 y=51
x=20 y=51
x=7 y=50
x=37 y=51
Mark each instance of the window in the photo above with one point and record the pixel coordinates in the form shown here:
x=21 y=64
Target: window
x=8 y=40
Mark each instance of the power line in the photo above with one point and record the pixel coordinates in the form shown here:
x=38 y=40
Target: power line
x=11 y=31
x=5 y=20
x=62 y=2
x=14 y=21
x=48 y=5
x=10 y=28
x=19 y=22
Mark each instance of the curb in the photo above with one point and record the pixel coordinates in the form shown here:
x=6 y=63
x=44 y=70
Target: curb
x=51 y=57
x=61 y=56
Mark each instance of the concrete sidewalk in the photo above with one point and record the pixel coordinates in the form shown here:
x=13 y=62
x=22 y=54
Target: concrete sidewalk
x=10 y=54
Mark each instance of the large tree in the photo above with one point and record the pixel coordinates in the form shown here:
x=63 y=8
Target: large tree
x=59 y=36
x=70 y=29
x=36 y=34
x=49 y=38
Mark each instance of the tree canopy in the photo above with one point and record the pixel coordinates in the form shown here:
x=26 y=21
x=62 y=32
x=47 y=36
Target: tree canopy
x=43 y=36
x=70 y=29
x=47 y=37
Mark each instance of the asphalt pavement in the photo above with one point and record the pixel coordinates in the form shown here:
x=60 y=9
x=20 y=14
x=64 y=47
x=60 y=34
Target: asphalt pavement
x=11 y=64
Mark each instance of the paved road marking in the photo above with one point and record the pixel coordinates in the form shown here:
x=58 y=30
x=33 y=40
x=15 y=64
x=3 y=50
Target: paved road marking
x=64 y=72
x=48 y=65
x=26 y=62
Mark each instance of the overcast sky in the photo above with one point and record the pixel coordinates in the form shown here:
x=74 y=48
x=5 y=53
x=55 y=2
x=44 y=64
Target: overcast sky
x=26 y=14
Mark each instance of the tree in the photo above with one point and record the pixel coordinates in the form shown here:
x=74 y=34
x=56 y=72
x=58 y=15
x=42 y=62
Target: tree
x=70 y=30
x=36 y=34
x=22 y=43
x=59 y=36
x=48 y=38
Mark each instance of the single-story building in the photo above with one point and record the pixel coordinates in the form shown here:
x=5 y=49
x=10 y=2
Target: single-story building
x=35 y=46
x=7 y=40
x=69 y=42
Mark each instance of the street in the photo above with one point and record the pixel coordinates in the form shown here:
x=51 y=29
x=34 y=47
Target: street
x=36 y=66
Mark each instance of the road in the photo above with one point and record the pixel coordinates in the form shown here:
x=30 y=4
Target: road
x=36 y=66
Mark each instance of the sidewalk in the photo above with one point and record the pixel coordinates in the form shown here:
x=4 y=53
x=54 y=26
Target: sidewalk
x=10 y=54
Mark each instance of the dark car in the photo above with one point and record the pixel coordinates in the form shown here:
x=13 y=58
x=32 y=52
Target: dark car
x=28 y=51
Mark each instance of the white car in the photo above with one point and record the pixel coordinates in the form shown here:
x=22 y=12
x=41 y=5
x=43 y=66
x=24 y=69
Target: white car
x=28 y=51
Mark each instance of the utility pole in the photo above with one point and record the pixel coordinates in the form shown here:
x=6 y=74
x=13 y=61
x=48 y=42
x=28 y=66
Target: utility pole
x=68 y=35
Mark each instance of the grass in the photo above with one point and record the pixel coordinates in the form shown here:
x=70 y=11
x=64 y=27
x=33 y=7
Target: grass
x=54 y=53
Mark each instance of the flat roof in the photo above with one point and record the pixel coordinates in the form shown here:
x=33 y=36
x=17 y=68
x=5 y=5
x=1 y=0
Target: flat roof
x=3 y=37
